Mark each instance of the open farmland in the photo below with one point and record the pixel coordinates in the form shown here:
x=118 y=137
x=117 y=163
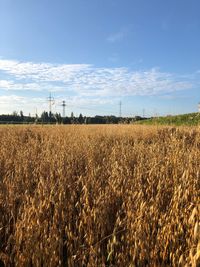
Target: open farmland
x=118 y=195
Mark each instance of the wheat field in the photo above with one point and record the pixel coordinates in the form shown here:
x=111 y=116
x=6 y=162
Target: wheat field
x=112 y=195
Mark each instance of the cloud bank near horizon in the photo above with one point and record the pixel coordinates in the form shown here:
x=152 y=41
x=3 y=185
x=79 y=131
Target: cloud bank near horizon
x=84 y=83
x=87 y=80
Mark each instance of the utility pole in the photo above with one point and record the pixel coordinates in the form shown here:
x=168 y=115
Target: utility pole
x=63 y=105
x=51 y=101
x=120 y=109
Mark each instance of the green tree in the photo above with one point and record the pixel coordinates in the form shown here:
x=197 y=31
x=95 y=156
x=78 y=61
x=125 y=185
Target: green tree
x=44 y=116
x=80 y=119
x=21 y=115
x=58 y=117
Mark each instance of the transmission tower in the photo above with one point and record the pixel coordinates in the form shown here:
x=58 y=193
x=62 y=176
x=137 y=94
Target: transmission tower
x=51 y=101
x=63 y=105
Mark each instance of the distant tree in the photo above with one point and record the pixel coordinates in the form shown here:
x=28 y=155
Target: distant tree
x=36 y=117
x=44 y=116
x=50 y=117
x=66 y=120
x=21 y=115
x=15 y=113
x=72 y=118
x=85 y=120
x=58 y=117
x=80 y=119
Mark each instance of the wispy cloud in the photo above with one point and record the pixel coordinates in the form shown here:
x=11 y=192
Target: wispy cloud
x=115 y=37
x=10 y=103
x=83 y=79
x=13 y=85
x=10 y=85
x=118 y=36
x=88 y=105
x=10 y=99
x=41 y=71
x=87 y=83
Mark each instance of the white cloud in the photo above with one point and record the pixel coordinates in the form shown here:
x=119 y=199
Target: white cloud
x=11 y=85
x=115 y=37
x=10 y=103
x=77 y=101
x=5 y=100
x=118 y=36
x=41 y=71
x=87 y=105
x=83 y=80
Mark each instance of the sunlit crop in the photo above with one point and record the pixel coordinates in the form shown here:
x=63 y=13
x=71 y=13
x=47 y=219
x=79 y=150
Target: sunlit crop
x=118 y=195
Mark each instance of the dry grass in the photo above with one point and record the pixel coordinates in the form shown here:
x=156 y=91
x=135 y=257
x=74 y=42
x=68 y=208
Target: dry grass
x=99 y=196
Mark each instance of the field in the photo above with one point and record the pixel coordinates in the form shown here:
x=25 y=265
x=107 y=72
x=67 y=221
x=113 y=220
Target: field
x=118 y=195
x=190 y=119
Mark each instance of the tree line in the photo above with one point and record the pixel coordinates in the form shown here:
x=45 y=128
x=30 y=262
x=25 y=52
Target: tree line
x=56 y=118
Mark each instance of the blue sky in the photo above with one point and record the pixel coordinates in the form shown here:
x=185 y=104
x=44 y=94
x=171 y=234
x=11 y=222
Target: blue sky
x=95 y=53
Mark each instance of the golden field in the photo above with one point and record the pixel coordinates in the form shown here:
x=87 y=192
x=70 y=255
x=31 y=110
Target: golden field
x=112 y=195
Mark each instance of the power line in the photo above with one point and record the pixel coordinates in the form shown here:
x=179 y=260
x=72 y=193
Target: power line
x=51 y=101
x=92 y=109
